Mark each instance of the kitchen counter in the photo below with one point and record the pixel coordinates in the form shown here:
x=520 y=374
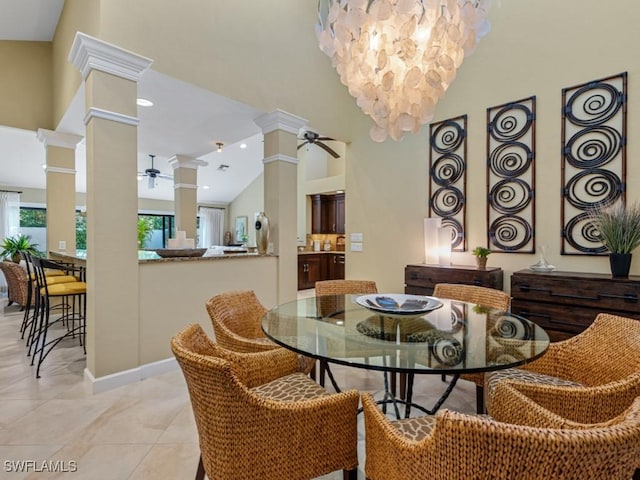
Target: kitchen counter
x=148 y=256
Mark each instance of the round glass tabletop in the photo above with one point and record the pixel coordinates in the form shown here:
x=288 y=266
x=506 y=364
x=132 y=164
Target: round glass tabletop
x=457 y=338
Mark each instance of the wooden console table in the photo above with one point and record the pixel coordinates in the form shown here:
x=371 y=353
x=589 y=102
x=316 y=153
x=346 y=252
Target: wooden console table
x=420 y=279
x=565 y=303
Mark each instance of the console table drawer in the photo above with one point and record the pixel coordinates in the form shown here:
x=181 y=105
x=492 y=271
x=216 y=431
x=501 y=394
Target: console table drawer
x=566 y=303
x=555 y=317
x=420 y=279
x=594 y=293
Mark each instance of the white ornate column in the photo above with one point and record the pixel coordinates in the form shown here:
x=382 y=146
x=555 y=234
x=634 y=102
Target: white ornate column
x=61 y=189
x=280 y=131
x=111 y=74
x=185 y=184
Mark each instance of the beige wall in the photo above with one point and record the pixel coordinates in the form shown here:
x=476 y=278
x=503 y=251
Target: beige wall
x=77 y=16
x=264 y=54
x=250 y=201
x=528 y=52
x=25 y=85
x=184 y=301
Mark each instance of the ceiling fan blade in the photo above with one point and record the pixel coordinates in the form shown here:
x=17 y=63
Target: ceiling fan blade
x=325 y=138
x=165 y=176
x=328 y=149
x=302 y=144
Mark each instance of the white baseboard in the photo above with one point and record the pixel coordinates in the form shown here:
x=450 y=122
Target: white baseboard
x=126 y=377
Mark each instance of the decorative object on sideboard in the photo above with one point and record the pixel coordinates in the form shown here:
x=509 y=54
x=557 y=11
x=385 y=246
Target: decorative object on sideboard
x=262 y=233
x=481 y=254
x=617 y=226
x=398 y=58
x=437 y=242
x=542 y=265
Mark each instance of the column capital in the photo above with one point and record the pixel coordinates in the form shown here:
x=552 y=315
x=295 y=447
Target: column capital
x=90 y=53
x=280 y=120
x=58 y=139
x=183 y=161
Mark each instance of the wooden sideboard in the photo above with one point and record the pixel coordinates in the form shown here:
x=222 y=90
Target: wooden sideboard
x=420 y=279
x=565 y=303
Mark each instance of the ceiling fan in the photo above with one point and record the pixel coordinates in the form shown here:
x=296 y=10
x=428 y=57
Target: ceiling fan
x=153 y=173
x=312 y=138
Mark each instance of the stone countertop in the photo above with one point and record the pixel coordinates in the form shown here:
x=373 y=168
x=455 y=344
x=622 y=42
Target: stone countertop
x=145 y=256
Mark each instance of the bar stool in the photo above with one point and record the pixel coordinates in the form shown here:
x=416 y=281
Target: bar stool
x=53 y=276
x=70 y=293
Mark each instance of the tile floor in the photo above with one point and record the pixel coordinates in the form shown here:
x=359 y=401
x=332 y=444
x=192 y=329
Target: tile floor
x=140 y=431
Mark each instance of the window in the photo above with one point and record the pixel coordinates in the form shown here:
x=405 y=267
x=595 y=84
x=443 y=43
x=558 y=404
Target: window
x=33 y=222
x=163 y=228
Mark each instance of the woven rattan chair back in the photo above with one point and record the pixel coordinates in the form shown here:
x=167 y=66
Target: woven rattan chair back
x=345 y=287
x=468 y=446
x=236 y=321
x=607 y=351
x=328 y=293
x=487 y=297
x=17 y=282
x=245 y=435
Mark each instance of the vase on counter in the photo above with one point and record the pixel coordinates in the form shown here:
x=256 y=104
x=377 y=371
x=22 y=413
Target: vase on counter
x=262 y=233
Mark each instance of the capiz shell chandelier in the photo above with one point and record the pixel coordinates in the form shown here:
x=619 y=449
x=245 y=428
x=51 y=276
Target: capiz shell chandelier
x=398 y=57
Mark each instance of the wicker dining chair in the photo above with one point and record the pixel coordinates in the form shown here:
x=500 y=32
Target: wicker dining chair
x=17 y=283
x=588 y=368
x=327 y=302
x=235 y=317
x=258 y=417
x=453 y=446
x=486 y=297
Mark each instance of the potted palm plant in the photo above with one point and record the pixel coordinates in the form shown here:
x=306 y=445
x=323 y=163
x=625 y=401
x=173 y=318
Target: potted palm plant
x=13 y=246
x=618 y=228
x=481 y=254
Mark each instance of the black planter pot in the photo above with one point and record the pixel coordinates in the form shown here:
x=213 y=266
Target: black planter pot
x=620 y=264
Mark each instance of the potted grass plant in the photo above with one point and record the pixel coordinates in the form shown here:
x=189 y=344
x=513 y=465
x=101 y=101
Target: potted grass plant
x=618 y=228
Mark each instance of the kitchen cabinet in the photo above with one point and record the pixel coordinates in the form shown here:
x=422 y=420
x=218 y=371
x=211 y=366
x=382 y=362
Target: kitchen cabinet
x=311 y=268
x=327 y=213
x=565 y=303
x=420 y=279
x=314 y=267
x=335 y=266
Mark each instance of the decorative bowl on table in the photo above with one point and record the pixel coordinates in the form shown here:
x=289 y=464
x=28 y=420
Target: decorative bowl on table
x=180 y=252
x=398 y=303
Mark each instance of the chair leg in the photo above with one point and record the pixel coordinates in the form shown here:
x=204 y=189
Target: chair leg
x=350 y=474
x=479 y=400
x=200 y=471
x=321 y=374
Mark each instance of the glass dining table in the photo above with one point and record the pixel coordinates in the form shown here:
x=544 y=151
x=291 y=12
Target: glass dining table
x=456 y=338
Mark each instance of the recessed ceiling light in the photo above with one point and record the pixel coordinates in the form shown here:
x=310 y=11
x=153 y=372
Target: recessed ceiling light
x=243 y=145
x=339 y=191
x=206 y=187
x=143 y=102
x=44 y=166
